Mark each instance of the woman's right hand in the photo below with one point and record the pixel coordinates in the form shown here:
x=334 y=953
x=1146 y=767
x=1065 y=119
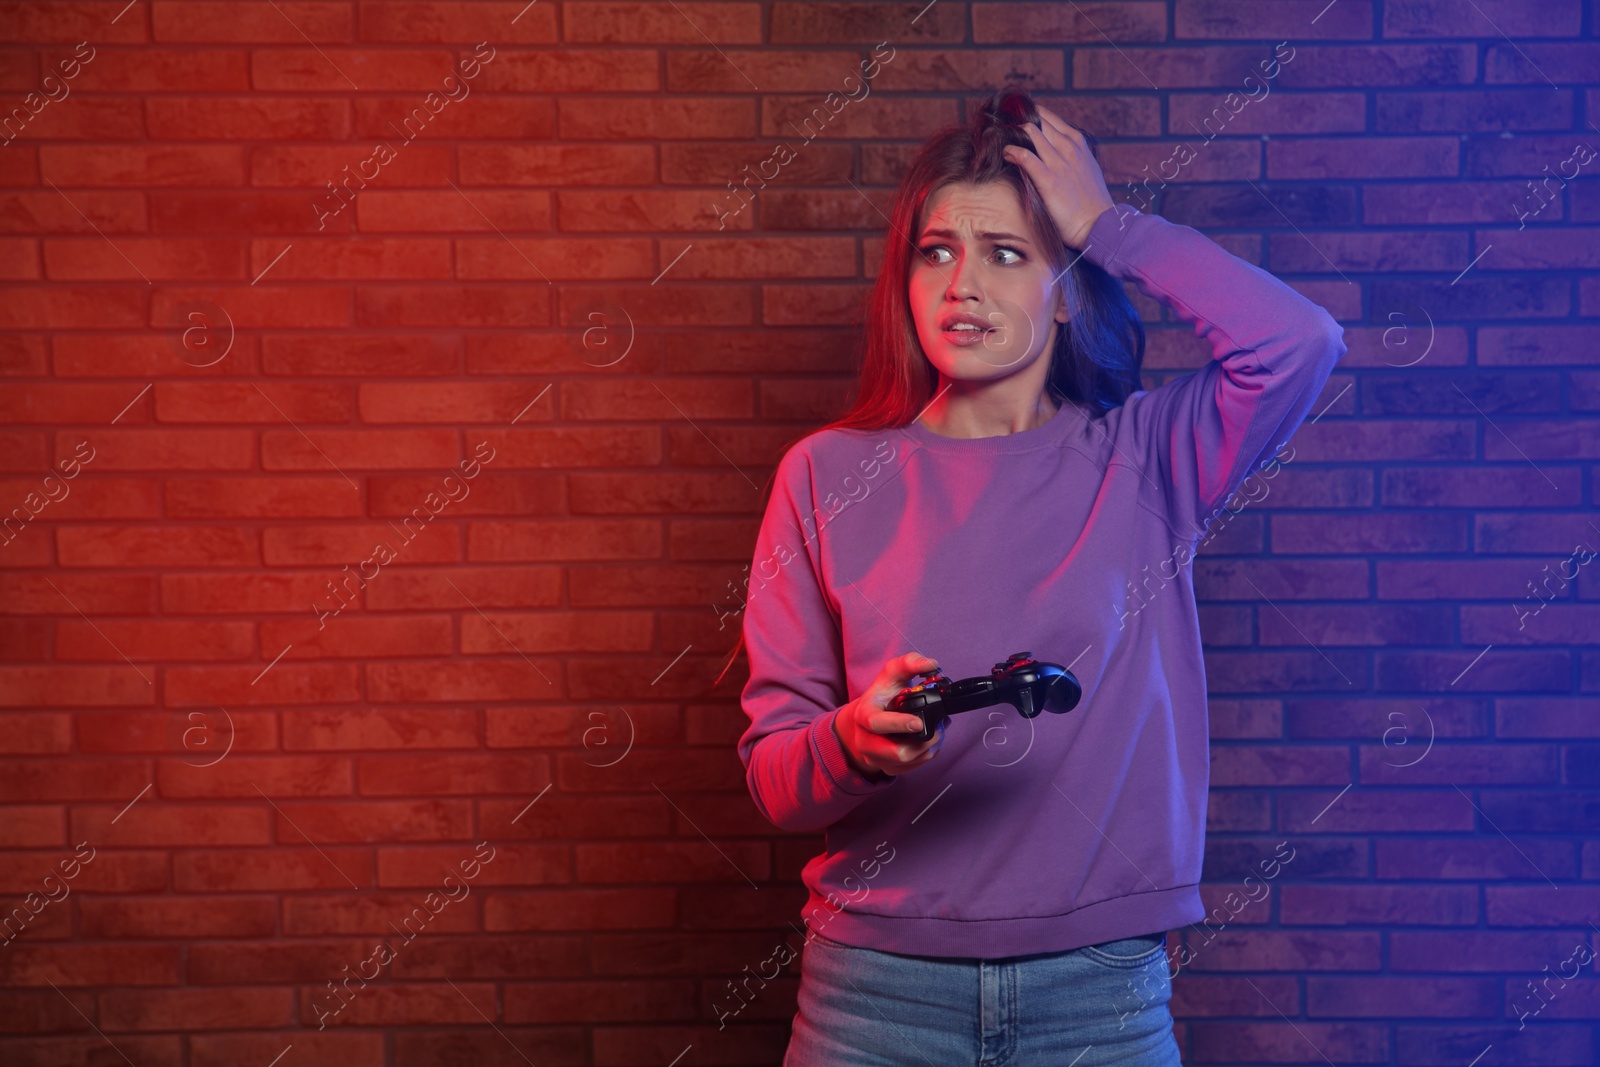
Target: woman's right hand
x=864 y=723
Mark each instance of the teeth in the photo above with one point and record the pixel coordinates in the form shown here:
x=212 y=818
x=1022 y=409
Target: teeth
x=967 y=326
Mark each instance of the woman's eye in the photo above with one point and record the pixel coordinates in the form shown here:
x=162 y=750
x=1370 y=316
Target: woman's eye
x=1000 y=250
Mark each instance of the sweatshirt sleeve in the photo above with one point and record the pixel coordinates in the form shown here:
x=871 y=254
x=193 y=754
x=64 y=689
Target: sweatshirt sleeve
x=1272 y=351
x=795 y=764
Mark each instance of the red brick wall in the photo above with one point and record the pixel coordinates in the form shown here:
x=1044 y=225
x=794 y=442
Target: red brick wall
x=547 y=322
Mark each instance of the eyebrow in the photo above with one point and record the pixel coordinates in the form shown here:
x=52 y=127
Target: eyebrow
x=986 y=235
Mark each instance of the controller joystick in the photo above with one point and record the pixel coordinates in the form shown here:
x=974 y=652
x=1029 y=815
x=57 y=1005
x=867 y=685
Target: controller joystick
x=1021 y=681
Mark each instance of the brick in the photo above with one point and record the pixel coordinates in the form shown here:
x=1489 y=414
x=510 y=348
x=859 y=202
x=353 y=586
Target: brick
x=33 y=826
x=357 y=547
x=441 y=21
x=667 y=1000
x=1375 y=905
x=1502 y=580
x=229 y=403
x=1405 y=997
x=575 y=71
x=1352 y=625
x=247 y=118
x=109 y=640
x=1221 y=19
x=470 y=402
x=504 y=494
x=1362 y=810
x=371 y=449
x=514 y=865
x=1340 y=534
x=242 y=963
x=588 y=909
x=388 y=728
x=675 y=118
x=1330 y=158
x=613 y=631
x=36 y=734
x=1571 y=811
x=1484 y=859
x=334 y=69
x=410 y=1004
x=1459 y=951
x=355 y=637
x=480 y=211
x=1287 y=950
x=483 y=587
x=251 y=776
x=863 y=23
x=1288 y=1042
x=1429 y=18
x=1554 y=717
x=559 y=260
x=1532 y=346
x=589 y=817
x=44 y=686
x=716 y=163
x=1201 y=995
x=109 y=498
x=275 y=870
x=278 y=684
x=477 y=305
x=1458 y=764
x=651 y=211
x=1536 y=905
x=444 y=775
x=535 y=448
x=223 y=1050
x=91 y=965
x=1554 y=534
x=458 y=1047
x=800 y=120
x=656 y=23
x=201 y=735
x=149 y=449
x=1439 y=1046
x=155 y=546
x=106 y=871
x=261 y=497
x=176 y=918
x=731 y=70
x=685 y=861
x=510 y=679
x=173 y=825
x=1400 y=725
x=221 y=593
x=374 y=820
x=1234 y=765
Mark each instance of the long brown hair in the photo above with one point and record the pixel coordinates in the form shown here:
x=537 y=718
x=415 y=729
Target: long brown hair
x=1097 y=353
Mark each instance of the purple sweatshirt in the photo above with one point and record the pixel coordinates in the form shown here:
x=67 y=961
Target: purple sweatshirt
x=1072 y=541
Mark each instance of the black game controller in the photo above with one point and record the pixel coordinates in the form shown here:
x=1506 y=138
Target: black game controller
x=1021 y=681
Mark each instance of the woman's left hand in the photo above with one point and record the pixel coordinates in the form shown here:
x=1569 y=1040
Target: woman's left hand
x=1066 y=174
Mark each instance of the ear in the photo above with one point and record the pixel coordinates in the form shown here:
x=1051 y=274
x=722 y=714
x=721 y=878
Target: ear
x=1061 y=305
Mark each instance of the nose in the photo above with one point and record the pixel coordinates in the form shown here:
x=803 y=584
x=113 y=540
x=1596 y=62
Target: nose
x=963 y=279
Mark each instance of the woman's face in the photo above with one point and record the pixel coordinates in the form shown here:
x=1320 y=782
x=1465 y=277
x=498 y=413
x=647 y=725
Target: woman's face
x=978 y=258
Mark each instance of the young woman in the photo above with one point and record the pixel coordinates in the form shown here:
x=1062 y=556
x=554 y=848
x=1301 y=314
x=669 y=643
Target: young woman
x=1001 y=893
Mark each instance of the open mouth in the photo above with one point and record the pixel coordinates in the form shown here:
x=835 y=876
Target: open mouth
x=967 y=334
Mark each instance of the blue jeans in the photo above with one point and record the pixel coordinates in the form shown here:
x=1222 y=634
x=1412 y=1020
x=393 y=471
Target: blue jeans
x=1102 y=1004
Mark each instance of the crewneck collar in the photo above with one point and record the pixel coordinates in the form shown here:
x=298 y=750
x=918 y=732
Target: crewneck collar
x=1045 y=436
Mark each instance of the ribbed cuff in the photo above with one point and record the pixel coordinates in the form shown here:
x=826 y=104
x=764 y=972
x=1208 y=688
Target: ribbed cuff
x=830 y=755
x=1108 y=233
